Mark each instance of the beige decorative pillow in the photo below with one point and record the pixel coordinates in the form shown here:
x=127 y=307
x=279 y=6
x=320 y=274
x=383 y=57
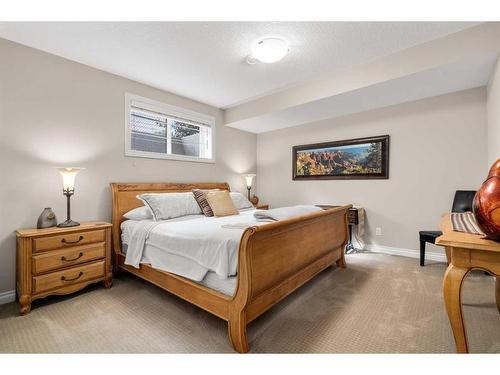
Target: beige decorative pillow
x=221 y=203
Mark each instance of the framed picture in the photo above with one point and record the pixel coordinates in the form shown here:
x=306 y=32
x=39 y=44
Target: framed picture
x=361 y=158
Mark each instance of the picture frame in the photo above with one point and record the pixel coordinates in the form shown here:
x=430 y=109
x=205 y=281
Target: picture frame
x=351 y=159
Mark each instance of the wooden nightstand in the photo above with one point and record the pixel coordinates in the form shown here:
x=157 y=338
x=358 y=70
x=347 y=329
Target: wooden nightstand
x=61 y=260
x=262 y=206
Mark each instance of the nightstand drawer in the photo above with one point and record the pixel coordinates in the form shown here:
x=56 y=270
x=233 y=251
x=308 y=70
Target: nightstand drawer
x=68 y=240
x=67 y=277
x=57 y=259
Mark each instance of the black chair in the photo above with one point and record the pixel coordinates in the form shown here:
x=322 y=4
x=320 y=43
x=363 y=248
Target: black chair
x=461 y=203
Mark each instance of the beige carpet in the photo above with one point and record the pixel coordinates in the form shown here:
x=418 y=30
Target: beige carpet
x=379 y=304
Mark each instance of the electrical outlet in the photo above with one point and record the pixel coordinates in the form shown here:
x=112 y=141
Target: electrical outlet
x=378 y=231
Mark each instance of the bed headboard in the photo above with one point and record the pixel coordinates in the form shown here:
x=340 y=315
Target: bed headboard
x=124 y=198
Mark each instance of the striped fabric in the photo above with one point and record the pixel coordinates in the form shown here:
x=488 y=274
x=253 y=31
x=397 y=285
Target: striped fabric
x=201 y=198
x=465 y=222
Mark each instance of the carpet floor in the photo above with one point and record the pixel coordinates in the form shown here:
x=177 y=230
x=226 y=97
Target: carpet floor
x=379 y=304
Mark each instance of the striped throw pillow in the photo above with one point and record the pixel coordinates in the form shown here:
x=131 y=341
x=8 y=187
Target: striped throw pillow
x=201 y=198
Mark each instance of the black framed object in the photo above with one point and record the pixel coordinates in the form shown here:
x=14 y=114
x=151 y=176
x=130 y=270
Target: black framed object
x=360 y=158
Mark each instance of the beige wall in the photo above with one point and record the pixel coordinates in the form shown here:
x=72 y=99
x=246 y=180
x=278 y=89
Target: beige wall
x=56 y=112
x=493 y=105
x=438 y=145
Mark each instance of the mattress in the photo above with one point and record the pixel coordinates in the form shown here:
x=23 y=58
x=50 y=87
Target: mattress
x=153 y=255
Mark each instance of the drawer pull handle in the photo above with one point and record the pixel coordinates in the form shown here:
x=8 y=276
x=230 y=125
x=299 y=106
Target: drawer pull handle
x=63 y=278
x=64 y=259
x=64 y=240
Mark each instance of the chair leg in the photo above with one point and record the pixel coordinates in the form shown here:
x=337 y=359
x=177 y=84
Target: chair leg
x=422 y=253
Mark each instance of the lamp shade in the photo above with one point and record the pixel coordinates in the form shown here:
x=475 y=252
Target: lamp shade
x=249 y=179
x=68 y=176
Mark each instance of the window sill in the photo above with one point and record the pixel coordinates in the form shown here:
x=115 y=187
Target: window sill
x=153 y=155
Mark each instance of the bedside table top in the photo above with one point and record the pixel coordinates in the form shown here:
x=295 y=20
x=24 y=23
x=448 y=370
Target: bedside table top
x=84 y=225
x=262 y=206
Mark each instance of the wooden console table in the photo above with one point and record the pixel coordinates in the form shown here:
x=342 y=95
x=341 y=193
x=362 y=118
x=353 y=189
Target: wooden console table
x=465 y=252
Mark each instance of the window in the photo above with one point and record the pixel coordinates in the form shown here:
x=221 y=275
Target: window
x=158 y=130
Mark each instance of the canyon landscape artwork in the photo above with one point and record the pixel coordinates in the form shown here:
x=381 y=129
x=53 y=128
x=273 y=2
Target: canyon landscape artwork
x=363 y=158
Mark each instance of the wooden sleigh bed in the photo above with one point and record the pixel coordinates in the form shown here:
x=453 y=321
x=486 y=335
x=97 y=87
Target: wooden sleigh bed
x=273 y=260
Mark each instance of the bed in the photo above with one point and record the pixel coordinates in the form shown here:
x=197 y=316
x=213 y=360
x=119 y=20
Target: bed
x=273 y=259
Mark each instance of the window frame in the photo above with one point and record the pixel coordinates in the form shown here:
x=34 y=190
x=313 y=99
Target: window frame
x=167 y=109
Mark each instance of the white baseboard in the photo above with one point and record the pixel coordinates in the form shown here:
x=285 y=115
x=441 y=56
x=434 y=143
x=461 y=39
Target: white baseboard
x=6 y=297
x=411 y=253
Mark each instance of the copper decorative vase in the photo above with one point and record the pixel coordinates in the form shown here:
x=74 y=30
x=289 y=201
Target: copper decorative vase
x=254 y=200
x=487 y=204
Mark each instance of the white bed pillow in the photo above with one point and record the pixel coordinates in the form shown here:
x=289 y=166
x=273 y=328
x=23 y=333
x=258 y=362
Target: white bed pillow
x=240 y=201
x=139 y=213
x=166 y=206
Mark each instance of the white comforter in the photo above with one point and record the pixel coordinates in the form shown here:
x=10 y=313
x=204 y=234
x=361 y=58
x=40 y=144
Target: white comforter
x=196 y=245
x=193 y=245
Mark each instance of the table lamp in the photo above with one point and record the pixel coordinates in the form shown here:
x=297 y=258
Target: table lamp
x=249 y=179
x=68 y=177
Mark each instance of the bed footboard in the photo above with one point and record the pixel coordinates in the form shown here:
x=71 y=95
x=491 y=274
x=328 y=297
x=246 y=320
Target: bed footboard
x=277 y=258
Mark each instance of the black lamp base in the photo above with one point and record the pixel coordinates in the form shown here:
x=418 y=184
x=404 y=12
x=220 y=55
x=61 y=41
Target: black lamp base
x=68 y=223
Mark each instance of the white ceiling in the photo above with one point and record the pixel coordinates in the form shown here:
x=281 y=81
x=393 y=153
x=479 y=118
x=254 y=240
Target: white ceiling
x=205 y=61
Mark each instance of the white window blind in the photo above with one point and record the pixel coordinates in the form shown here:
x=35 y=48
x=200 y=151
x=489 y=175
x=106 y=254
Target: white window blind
x=162 y=131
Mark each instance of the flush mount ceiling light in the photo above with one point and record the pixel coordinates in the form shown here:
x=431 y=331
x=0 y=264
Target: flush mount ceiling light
x=268 y=50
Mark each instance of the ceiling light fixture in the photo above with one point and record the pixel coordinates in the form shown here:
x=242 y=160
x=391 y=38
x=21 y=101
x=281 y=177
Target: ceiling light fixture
x=268 y=50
